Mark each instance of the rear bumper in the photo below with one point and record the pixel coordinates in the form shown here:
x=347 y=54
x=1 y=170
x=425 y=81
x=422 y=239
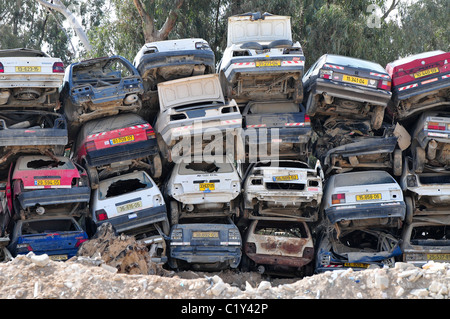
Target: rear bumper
x=289 y=261
x=55 y=196
x=268 y=135
x=207 y=254
x=406 y=91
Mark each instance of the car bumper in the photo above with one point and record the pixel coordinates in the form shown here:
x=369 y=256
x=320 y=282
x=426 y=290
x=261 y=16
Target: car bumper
x=412 y=89
x=201 y=197
x=206 y=254
x=366 y=211
x=19 y=137
x=268 y=135
x=55 y=196
x=351 y=92
x=137 y=219
x=119 y=153
x=288 y=261
x=10 y=81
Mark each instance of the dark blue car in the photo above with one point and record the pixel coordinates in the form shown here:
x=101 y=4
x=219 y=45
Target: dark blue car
x=58 y=237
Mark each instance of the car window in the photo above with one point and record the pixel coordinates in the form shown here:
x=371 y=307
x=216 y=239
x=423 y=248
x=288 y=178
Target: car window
x=356 y=63
x=362 y=179
x=122 y=185
x=109 y=124
x=44 y=164
x=431 y=235
x=281 y=229
x=204 y=167
x=47 y=226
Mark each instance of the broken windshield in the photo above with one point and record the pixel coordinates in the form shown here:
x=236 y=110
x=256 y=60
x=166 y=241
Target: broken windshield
x=125 y=184
x=204 y=167
x=45 y=163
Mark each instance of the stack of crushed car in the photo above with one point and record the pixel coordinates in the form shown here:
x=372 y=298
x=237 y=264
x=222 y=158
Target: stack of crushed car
x=253 y=163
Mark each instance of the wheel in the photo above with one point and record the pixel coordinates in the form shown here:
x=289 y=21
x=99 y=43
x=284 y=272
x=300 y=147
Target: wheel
x=156 y=166
x=93 y=176
x=163 y=148
x=409 y=209
x=174 y=212
x=397 y=164
x=419 y=160
x=377 y=117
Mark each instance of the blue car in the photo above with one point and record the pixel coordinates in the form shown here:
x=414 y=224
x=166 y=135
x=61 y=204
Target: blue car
x=201 y=244
x=100 y=87
x=58 y=237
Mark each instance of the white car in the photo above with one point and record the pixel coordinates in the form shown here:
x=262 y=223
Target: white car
x=29 y=78
x=203 y=189
x=261 y=60
x=364 y=198
x=194 y=115
x=131 y=202
x=287 y=188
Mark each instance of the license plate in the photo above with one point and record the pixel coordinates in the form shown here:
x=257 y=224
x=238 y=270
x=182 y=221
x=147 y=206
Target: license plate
x=359 y=265
x=368 y=197
x=445 y=257
x=268 y=63
x=207 y=186
x=47 y=182
x=28 y=69
x=123 y=139
x=58 y=257
x=205 y=234
x=354 y=79
x=285 y=178
x=129 y=206
x=426 y=72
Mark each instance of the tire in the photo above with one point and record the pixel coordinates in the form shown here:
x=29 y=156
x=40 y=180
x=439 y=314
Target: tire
x=409 y=209
x=419 y=159
x=156 y=166
x=397 y=165
x=174 y=212
x=377 y=117
x=93 y=176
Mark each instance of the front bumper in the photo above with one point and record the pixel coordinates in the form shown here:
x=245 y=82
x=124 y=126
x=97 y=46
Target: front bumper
x=207 y=254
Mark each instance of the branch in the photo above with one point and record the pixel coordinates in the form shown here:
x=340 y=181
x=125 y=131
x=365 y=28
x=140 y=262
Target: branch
x=169 y=24
x=148 y=25
x=393 y=5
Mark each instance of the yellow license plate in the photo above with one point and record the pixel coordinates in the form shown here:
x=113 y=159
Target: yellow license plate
x=359 y=265
x=354 y=79
x=58 y=257
x=207 y=186
x=47 y=182
x=205 y=234
x=268 y=63
x=426 y=72
x=368 y=197
x=123 y=139
x=285 y=178
x=28 y=69
x=445 y=257
x=129 y=206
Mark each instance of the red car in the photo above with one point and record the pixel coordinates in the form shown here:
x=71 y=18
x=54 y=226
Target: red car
x=419 y=82
x=117 y=144
x=40 y=184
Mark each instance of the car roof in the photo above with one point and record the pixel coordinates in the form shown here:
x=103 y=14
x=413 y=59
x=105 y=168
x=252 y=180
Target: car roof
x=354 y=62
x=111 y=123
x=415 y=57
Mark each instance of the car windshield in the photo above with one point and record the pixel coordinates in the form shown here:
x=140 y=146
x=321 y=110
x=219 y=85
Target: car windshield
x=47 y=226
x=280 y=229
x=101 y=72
x=111 y=123
x=353 y=179
x=204 y=167
x=415 y=57
x=355 y=63
x=431 y=235
x=282 y=164
x=122 y=185
x=22 y=53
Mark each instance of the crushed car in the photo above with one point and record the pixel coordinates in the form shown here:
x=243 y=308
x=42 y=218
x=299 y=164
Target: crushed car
x=30 y=79
x=132 y=203
x=195 y=118
x=115 y=144
x=30 y=132
x=5 y=220
x=358 y=249
x=284 y=188
x=419 y=82
x=280 y=126
x=58 y=237
x=39 y=185
x=261 y=60
x=362 y=199
x=100 y=87
x=351 y=87
x=427 y=239
x=283 y=246
x=430 y=146
x=205 y=244
x=203 y=188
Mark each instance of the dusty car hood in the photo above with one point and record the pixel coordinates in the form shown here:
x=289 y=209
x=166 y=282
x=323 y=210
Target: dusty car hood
x=194 y=89
x=242 y=28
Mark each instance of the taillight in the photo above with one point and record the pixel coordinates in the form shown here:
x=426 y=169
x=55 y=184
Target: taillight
x=2 y=70
x=307 y=120
x=150 y=133
x=436 y=126
x=90 y=146
x=24 y=248
x=80 y=241
x=58 y=67
x=338 y=198
x=384 y=85
x=201 y=46
x=325 y=74
x=101 y=215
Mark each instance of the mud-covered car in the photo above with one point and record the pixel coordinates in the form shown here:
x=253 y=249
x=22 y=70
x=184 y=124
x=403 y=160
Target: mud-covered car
x=430 y=146
x=426 y=239
x=261 y=60
x=283 y=246
x=29 y=78
x=358 y=249
x=117 y=144
x=39 y=185
x=425 y=193
x=203 y=189
x=194 y=115
x=30 y=131
x=132 y=203
x=100 y=87
x=347 y=86
x=284 y=188
x=369 y=198
x=58 y=237
x=205 y=244
x=344 y=145
x=419 y=82
x=281 y=126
